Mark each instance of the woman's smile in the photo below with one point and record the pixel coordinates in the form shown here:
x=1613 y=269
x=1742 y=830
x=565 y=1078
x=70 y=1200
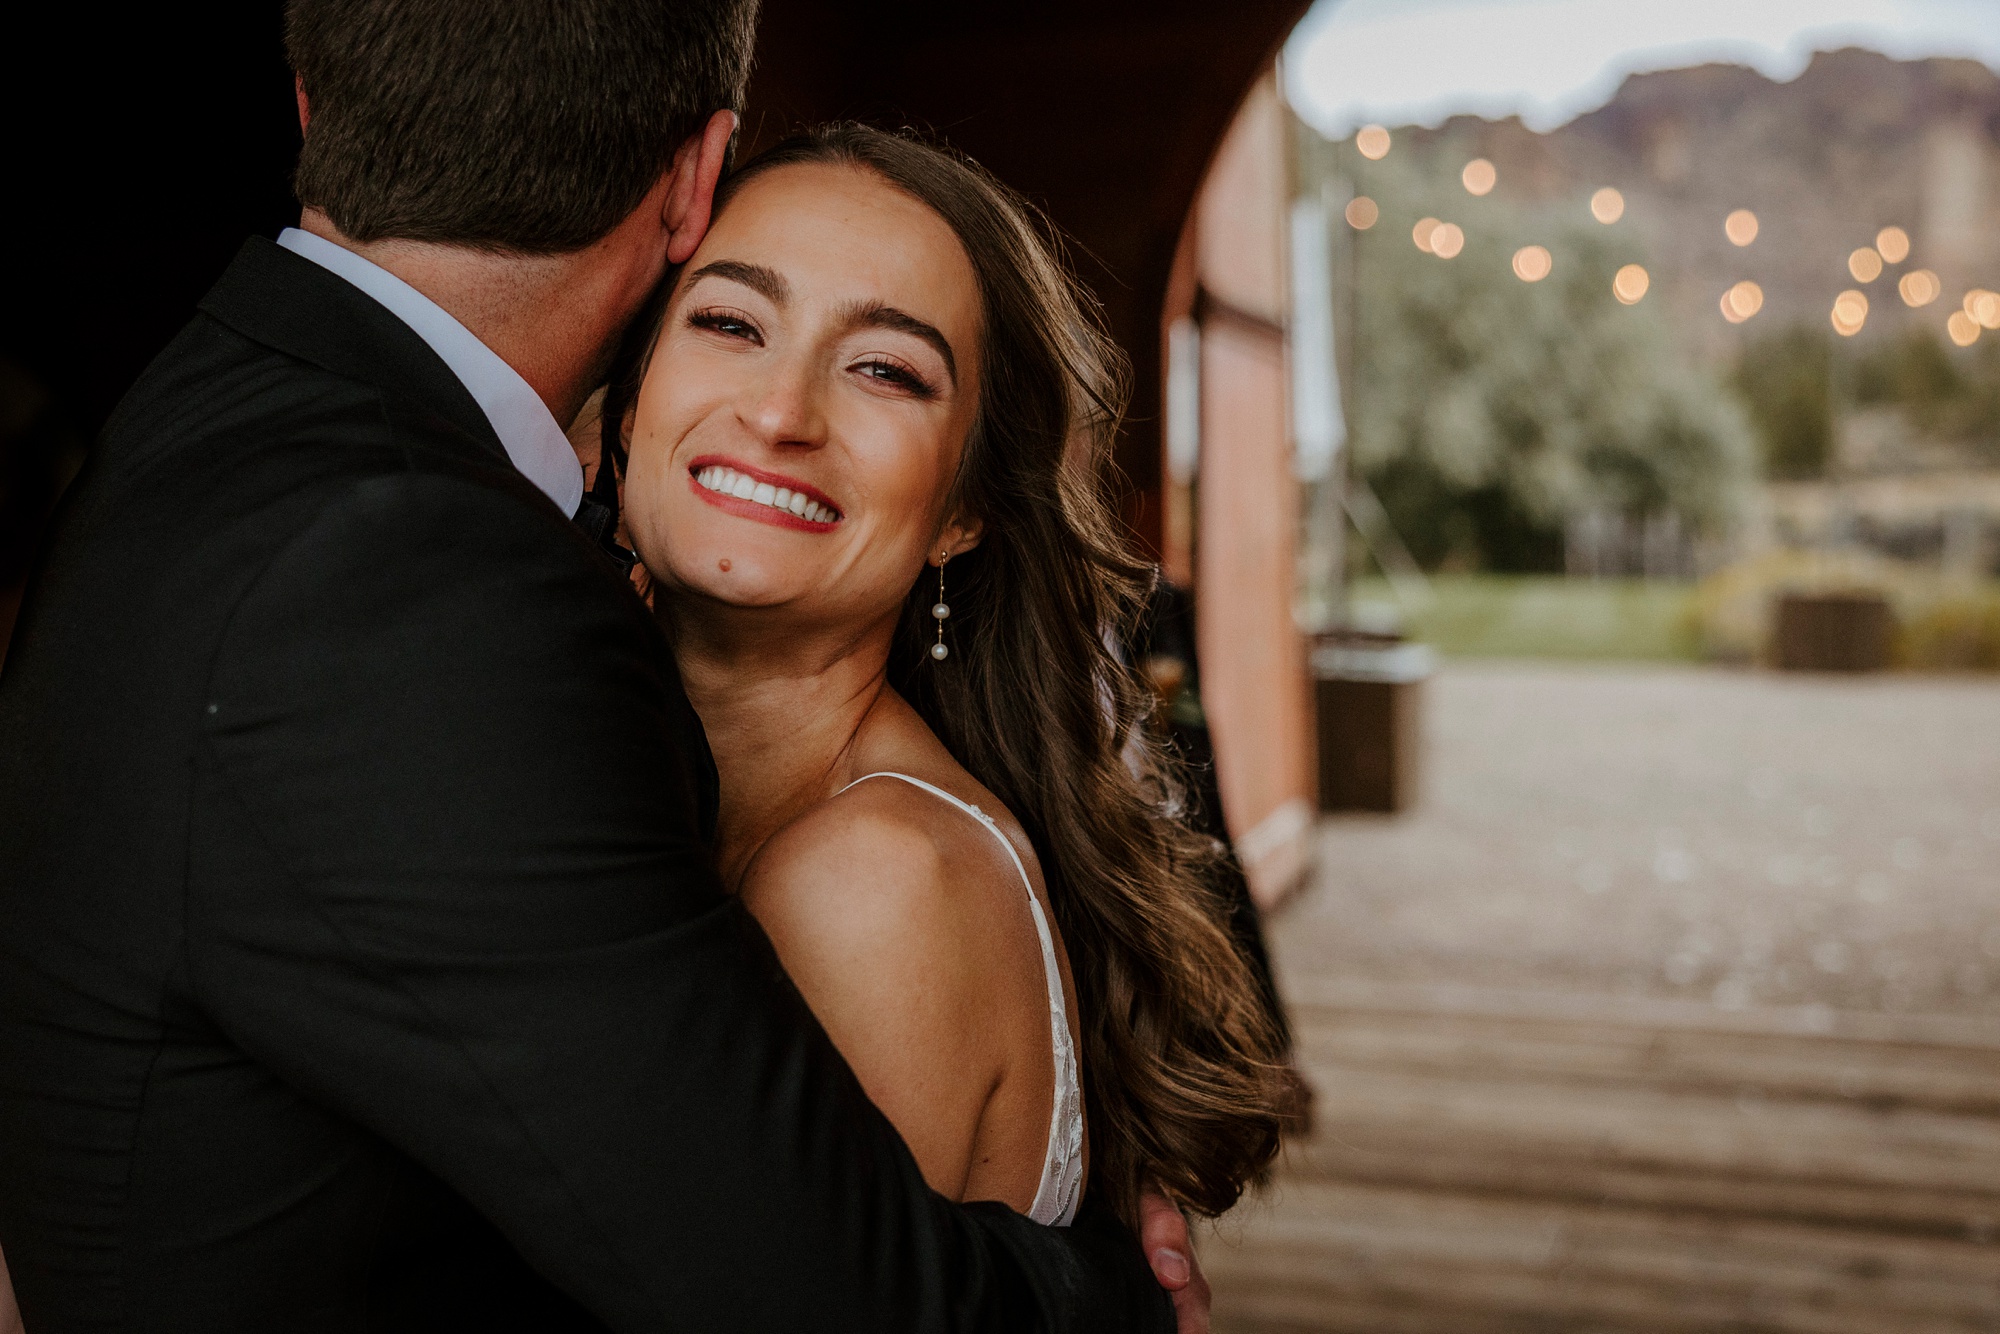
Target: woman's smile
x=767 y=497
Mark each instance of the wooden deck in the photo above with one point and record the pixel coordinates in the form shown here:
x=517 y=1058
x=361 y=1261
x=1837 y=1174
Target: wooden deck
x=1511 y=1142
x=1485 y=1173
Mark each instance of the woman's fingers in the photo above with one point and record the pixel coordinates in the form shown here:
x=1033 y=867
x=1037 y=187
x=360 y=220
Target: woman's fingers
x=1163 y=1232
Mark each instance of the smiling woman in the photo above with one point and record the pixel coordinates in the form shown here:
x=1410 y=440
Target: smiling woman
x=874 y=387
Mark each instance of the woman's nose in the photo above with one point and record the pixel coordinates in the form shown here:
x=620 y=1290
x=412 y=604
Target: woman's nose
x=786 y=408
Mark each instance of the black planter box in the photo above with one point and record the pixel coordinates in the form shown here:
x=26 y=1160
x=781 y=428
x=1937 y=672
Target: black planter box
x=1832 y=632
x=1368 y=698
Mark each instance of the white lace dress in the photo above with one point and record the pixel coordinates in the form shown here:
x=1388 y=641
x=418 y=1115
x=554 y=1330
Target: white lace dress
x=1062 y=1162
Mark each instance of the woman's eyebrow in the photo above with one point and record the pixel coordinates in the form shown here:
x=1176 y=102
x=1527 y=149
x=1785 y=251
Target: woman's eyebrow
x=878 y=316
x=766 y=282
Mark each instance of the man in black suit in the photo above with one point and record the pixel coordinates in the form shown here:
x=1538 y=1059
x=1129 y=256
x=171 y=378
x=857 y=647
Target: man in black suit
x=361 y=967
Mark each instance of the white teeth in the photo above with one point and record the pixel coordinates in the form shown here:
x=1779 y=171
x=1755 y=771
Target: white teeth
x=729 y=482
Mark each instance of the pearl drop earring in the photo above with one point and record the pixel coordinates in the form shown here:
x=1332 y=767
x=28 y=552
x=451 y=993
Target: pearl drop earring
x=941 y=611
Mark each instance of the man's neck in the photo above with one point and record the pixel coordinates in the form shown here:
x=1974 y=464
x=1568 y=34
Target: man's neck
x=553 y=318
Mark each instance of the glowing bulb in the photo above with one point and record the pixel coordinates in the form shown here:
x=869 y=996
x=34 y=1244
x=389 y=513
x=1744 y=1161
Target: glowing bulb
x=1964 y=330
x=1362 y=213
x=1850 y=312
x=1373 y=141
x=1865 y=265
x=1984 y=307
x=1421 y=233
x=1740 y=227
x=1893 y=243
x=1532 y=263
x=1630 y=284
x=1479 y=176
x=1447 y=240
x=1919 y=287
x=1607 y=206
x=1742 y=301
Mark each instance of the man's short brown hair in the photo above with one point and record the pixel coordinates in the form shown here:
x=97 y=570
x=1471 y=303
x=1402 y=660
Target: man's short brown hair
x=532 y=126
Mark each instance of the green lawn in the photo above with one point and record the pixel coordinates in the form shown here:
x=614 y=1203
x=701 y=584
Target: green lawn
x=1533 y=616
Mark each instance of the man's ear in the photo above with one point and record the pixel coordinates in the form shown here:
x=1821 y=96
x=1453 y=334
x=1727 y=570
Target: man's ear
x=305 y=103
x=691 y=189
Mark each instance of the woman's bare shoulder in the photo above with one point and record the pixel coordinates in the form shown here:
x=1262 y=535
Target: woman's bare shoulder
x=890 y=910
x=882 y=857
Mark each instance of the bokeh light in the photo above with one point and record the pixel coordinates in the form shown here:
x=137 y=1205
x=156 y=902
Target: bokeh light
x=1964 y=330
x=1362 y=213
x=1893 y=243
x=1421 y=233
x=1740 y=227
x=1532 y=263
x=1919 y=287
x=1607 y=206
x=1630 y=284
x=1865 y=265
x=1850 y=312
x=1447 y=240
x=1373 y=142
x=1742 y=301
x=1983 y=307
x=1479 y=176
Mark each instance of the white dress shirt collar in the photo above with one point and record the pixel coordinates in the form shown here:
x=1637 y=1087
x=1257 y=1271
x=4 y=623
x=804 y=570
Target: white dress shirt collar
x=535 y=444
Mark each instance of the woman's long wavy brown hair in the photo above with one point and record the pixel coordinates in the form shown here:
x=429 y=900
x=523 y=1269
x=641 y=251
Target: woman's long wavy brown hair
x=1182 y=1065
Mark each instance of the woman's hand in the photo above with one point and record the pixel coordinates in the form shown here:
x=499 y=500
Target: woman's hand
x=10 y=1314
x=1163 y=1232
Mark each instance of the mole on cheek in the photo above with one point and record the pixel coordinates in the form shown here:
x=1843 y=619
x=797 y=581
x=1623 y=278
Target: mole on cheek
x=722 y=565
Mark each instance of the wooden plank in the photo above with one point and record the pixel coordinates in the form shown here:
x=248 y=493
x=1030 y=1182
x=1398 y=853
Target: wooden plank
x=1347 y=1257
x=1473 y=1173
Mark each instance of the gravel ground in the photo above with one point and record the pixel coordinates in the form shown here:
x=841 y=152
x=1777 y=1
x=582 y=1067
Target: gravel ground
x=1740 y=838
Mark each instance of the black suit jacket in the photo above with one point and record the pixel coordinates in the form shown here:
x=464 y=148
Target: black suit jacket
x=361 y=966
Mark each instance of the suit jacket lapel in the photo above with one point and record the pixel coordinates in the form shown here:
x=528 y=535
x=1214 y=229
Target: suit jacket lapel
x=291 y=304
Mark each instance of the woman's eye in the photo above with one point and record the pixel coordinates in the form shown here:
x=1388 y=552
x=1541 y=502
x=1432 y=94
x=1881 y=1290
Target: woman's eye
x=725 y=323
x=902 y=377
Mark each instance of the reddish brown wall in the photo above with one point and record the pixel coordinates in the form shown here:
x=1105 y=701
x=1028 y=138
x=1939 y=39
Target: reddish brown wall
x=1254 y=684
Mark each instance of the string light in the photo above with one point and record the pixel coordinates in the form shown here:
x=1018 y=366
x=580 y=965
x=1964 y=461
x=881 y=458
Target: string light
x=1361 y=213
x=1607 y=206
x=1630 y=284
x=1532 y=263
x=1983 y=307
x=1964 y=330
x=1421 y=233
x=1373 y=142
x=1447 y=240
x=1865 y=265
x=1893 y=243
x=1740 y=227
x=1742 y=301
x=1479 y=177
x=1919 y=287
x=1850 y=312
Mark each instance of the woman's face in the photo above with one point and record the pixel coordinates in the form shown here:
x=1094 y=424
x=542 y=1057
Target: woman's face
x=802 y=419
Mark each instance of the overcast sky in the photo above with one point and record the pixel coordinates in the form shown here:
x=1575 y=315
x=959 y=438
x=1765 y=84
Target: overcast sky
x=1404 y=62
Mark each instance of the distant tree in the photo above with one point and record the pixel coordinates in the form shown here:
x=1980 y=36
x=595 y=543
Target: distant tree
x=1786 y=382
x=1486 y=410
x=1948 y=394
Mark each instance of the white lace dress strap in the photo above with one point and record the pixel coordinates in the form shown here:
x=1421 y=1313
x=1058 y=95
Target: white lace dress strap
x=1062 y=1162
